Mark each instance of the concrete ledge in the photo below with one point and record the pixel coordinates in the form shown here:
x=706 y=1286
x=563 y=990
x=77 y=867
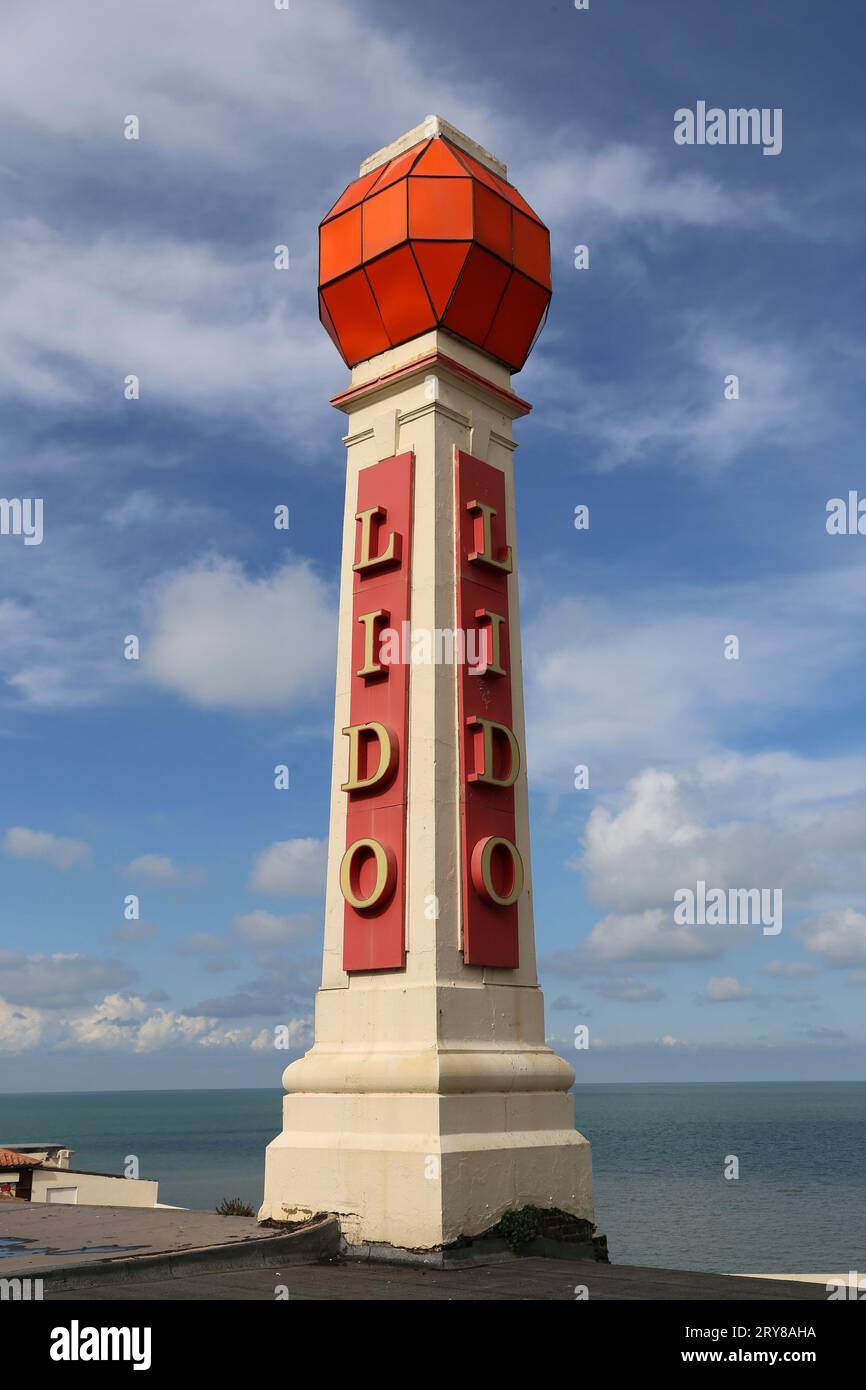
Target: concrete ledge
x=576 y=1247
x=320 y=1239
x=482 y=1252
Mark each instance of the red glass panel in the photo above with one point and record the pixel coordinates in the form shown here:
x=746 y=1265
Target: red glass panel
x=465 y=227
x=441 y=263
x=438 y=160
x=532 y=248
x=328 y=323
x=440 y=208
x=501 y=186
x=517 y=319
x=353 y=194
x=384 y=216
x=542 y=322
x=493 y=222
x=397 y=168
x=400 y=294
x=510 y=192
x=355 y=317
x=475 y=299
x=339 y=245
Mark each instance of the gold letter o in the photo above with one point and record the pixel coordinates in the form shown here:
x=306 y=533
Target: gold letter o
x=386 y=875
x=481 y=869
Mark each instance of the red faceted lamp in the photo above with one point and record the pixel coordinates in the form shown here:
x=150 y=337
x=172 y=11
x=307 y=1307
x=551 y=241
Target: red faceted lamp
x=433 y=238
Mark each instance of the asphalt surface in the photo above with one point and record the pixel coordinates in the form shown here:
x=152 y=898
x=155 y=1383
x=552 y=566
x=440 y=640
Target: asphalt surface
x=525 y=1280
x=40 y=1235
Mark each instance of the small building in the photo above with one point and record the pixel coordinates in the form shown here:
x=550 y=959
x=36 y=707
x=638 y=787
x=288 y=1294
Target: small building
x=16 y=1175
x=41 y=1173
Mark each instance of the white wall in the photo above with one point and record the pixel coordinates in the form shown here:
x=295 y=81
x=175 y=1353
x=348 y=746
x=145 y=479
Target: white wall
x=94 y=1189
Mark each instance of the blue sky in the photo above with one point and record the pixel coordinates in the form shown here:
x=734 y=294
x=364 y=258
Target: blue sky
x=707 y=518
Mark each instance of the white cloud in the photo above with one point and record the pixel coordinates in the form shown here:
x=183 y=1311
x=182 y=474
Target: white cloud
x=60 y=980
x=225 y=1037
x=838 y=936
x=297 y=1032
x=622 y=183
x=22 y=1028
x=165 y=1028
x=790 y=969
x=160 y=869
x=724 y=989
x=112 y=1023
x=59 y=642
x=199 y=325
x=774 y=822
x=119 y=1022
x=672 y=830
x=238 y=77
x=210 y=631
x=641 y=938
x=142 y=508
x=55 y=850
x=679 y=413
x=291 y=868
x=594 y=669
x=627 y=990
x=225 y=640
x=660 y=842
x=265 y=929
x=191 y=323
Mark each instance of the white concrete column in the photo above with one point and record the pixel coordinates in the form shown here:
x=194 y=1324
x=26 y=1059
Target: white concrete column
x=429 y=1104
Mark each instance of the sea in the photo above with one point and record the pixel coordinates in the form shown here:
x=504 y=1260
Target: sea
x=762 y=1177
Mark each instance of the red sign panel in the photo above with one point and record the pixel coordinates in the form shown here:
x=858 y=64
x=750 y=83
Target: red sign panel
x=492 y=869
x=372 y=873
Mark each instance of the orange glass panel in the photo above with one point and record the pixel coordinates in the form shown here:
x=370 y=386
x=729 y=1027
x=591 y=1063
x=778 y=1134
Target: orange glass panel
x=441 y=263
x=493 y=222
x=474 y=301
x=355 y=317
x=537 y=334
x=532 y=248
x=510 y=192
x=479 y=171
x=397 y=168
x=339 y=245
x=517 y=319
x=384 y=220
x=353 y=194
x=396 y=280
x=501 y=186
x=440 y=208
x=438 y=160
x=328 y=323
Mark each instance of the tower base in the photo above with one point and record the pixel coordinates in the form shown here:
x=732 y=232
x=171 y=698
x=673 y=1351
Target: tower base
x=421 y=1171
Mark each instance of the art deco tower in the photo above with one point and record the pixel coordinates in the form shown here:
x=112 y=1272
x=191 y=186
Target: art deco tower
x=429 y=1104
